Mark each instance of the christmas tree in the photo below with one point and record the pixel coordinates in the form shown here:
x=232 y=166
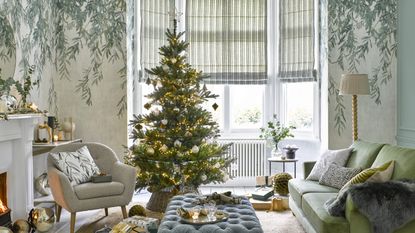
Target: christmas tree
x=175 y=146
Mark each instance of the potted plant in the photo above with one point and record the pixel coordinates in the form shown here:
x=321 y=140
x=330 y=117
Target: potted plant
x=276 y=132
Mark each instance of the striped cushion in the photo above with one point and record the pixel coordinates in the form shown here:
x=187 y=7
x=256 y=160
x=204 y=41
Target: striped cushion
x=377 y=174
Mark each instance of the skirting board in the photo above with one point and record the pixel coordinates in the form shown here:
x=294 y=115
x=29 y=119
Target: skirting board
x=300 y=217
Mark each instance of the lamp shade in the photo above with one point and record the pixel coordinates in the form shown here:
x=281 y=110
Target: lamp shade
x=354 y=84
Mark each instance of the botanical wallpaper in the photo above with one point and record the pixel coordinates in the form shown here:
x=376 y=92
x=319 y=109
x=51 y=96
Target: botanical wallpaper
x=59 y=31
x=362 y=39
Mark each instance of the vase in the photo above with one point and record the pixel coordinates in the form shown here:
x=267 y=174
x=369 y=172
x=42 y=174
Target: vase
x=68 y=127
x=276 y=151
x=290 y=152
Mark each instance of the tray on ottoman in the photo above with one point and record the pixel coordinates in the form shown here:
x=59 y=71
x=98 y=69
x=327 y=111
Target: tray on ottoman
x=242 y=218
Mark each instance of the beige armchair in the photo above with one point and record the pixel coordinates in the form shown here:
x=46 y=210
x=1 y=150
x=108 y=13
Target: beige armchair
x=89 y=196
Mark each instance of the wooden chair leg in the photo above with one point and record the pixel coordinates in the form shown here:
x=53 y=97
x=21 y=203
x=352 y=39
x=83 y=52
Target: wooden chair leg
x=106 y=211
x=58 y=212
x=124 y=211
x=73 y=218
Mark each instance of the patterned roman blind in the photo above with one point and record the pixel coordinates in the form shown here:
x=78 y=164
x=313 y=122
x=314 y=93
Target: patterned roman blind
x=296 y=43
x=228 y=40
x=154 y=22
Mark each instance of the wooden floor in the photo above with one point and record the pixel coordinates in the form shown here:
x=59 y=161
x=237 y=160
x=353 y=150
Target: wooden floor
x=140 y=197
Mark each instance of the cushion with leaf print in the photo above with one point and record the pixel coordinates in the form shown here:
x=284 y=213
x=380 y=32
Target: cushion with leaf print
x=78 y=166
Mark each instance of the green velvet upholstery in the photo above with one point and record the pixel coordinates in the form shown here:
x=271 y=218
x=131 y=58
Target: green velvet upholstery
x=319 y=218
x=309 y=196
x=299 y=187
x=363 y=154
x=307 y=167
x=404 y=161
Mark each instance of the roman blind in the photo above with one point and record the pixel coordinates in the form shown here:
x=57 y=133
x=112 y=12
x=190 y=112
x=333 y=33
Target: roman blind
x=228 y=40
x=154 y=22
x=296 y=41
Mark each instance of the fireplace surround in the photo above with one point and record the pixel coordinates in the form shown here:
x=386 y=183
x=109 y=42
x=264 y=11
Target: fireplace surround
x=16 y=156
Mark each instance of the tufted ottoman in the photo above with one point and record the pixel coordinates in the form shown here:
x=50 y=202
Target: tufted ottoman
x=242 y=218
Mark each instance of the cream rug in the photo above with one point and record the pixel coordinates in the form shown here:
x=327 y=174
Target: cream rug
x=272 y=222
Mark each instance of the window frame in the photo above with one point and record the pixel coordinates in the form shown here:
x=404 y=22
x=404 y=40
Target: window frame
x=275 y=95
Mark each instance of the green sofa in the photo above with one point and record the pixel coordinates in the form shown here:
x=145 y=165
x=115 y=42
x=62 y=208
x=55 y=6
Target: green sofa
x=307 y=197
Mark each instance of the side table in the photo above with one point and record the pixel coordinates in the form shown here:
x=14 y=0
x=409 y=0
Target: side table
x=283 y=161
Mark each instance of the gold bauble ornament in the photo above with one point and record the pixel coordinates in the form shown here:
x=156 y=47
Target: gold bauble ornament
x=42 y=218
x=137 y=210
x=21 y=226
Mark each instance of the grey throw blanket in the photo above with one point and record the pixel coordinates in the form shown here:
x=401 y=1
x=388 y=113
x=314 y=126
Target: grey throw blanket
x=388 y=205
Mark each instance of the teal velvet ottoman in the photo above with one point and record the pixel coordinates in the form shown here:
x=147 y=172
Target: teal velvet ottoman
x=242 y=218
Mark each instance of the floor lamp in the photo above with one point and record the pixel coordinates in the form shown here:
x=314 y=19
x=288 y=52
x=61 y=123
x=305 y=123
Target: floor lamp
x=354 y=84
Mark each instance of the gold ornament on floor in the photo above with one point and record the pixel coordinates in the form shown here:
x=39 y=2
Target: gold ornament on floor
x=281 y=183
x=137 y=210
x=21 y=226
x=42 y=219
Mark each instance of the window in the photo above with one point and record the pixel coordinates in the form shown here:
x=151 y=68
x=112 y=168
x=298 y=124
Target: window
x=259 y=55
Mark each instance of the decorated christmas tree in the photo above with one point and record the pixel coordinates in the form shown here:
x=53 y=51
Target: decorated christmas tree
x=175 y=148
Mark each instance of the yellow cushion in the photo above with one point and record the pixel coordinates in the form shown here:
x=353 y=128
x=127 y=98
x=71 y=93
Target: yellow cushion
x=382 y=173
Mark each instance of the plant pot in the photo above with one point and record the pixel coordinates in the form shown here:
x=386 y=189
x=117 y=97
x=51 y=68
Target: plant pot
x=290 y=152
x=159 y=200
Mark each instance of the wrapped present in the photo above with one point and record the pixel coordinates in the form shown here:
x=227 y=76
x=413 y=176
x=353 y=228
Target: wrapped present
x=263 y=194
x=150 y=225
x=264 y=181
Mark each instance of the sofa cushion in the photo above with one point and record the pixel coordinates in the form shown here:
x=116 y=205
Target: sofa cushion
x=319 y=218
x=94 y=190
x=339 y=157
x=404 y=161
x=363 y=154
x=299 y=187
x=336 y=176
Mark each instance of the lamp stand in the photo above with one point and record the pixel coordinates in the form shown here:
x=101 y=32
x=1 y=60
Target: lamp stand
x=354 y=116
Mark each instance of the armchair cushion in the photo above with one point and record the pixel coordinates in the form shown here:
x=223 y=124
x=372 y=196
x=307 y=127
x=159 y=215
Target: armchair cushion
x=94 y=190
x=78 y=166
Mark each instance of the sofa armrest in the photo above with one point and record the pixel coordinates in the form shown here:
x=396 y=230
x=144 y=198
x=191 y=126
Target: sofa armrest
x=126 y=175
x=357 y=221
x=307 y=167
x=62 y=190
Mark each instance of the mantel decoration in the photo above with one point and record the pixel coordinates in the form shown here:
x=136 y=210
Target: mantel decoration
x=175 y=147
x=276 y=132
x=14 y=96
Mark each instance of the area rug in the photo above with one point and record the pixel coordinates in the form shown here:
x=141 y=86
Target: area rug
x=272 y=222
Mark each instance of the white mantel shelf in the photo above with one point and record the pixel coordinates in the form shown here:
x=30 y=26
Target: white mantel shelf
x=16 y=137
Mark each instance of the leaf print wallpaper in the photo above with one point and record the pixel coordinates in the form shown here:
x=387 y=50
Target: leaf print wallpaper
x=362 y=39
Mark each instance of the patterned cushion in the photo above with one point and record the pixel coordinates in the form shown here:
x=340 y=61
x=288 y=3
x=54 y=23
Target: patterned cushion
x=378 y=174
x=242 y=218
x=337 y=176
x=338 y=157
x=78 y=166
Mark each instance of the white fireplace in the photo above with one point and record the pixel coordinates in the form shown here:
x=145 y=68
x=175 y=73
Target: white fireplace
x=16 y=136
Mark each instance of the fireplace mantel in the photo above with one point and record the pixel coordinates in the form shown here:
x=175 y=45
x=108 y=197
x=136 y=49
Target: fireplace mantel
x=16 y=137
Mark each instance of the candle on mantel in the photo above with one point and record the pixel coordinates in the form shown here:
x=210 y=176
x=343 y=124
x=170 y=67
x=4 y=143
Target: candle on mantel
x=55 y=138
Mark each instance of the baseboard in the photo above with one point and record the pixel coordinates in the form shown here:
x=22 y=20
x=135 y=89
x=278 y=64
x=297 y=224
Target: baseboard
x=299 y=214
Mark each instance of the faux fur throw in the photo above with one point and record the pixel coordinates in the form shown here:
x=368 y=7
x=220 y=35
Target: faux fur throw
x=219 y=199
x=388 y=205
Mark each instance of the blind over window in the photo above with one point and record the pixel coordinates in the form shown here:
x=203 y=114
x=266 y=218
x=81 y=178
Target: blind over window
x=228 y=40
x=154 y=22
x=296 y=43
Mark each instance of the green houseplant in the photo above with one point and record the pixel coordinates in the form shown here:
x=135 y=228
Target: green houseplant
x=276 y=132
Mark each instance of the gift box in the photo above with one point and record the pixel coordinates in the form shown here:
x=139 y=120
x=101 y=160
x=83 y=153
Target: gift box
x=101 y=178
x=263 y=194
x=150 y=225
x=264 y=181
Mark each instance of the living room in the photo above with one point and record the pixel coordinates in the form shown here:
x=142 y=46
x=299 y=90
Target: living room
x=205 y=97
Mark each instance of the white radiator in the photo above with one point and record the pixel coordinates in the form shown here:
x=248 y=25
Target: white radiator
x=250 y=155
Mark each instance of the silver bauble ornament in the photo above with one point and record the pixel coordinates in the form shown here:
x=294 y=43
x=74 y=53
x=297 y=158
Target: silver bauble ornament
x=5 y=230
x=42 y=218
